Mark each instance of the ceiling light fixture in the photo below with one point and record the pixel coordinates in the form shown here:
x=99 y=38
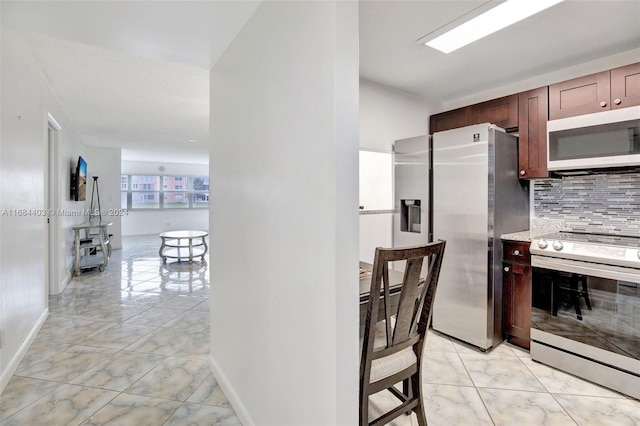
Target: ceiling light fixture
x=501 y=16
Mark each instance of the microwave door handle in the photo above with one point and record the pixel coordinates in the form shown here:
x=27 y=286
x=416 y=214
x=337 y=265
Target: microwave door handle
x=590 y=269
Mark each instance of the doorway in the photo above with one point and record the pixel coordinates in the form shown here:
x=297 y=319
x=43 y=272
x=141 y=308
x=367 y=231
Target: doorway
x=52 y=275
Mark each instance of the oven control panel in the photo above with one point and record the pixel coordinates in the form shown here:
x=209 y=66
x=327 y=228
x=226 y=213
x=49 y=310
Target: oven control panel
x=587 y=252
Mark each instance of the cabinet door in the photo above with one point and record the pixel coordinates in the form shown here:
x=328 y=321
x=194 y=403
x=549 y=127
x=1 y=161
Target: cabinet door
x=502 y=112
x=517 y=303
x=625 y=86
x=533 y=113
x=584 y=95
x=449 y=120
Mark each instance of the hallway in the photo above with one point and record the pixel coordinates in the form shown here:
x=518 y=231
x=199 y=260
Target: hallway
x=128 y=347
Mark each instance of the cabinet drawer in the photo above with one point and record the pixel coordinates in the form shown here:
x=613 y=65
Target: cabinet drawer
x=517 y=251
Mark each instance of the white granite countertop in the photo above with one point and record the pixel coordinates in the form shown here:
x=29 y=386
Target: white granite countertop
x=538 y=227
x=519 y=236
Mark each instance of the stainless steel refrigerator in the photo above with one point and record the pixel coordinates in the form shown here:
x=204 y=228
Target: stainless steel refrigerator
x=477 y=197
x=410 y=192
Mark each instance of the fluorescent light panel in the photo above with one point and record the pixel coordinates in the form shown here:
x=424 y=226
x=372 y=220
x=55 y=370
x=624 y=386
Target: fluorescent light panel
x=493 y=20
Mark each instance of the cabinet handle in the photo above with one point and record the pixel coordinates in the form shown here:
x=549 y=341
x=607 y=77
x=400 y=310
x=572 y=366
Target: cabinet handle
x=617 y=101
x=603 y=104
x=522 y=172
x=516 y=252
x=506 y=269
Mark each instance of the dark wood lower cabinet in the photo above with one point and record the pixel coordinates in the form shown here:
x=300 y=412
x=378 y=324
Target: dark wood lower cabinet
x=516 y=293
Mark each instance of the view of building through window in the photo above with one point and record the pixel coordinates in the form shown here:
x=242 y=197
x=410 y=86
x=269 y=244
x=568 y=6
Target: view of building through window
x=164 y=192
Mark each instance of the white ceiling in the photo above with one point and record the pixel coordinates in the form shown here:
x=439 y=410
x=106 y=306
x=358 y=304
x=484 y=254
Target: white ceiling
x=134 y=74
x=570 y=33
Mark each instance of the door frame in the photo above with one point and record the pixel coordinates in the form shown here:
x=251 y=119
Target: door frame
x=52 y=202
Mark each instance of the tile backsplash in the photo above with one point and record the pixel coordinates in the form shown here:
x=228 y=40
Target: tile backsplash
x=600 y=203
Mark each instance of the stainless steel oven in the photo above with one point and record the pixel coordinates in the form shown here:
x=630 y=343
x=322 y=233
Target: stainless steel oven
x=586 y=307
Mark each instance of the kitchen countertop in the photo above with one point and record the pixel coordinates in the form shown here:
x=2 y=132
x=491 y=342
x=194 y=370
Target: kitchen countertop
x=376 y=211
x=538 y=227
x=527 y=235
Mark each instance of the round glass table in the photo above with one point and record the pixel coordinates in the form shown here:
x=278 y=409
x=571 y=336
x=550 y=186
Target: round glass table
x=183 y=245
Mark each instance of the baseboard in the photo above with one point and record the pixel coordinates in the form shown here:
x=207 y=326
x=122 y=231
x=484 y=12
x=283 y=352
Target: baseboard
x=65 y=281
x=62 y=284
x=230 y=393
x=13 y=365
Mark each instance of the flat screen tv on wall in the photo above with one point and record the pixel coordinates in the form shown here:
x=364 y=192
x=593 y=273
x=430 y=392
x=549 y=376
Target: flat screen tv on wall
x=79 y=183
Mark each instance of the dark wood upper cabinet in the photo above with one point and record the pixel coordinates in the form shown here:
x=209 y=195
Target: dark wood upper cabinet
x=583 y=95
x=528 y=112
x=449 y=120
x=502 y=112
x=625 y=86
x=533 y=113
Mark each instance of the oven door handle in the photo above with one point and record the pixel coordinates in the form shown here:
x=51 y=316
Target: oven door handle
x=619 y=273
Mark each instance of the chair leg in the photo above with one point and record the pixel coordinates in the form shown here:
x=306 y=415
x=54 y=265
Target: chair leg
x=364 y=410
x=554 y=298
x=416 y=387
x=576 y=304
x=407 y=390
x=585 y=292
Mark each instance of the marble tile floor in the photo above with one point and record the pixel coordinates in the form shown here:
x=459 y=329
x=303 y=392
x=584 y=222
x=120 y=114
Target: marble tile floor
x=125 y=347
x=504 y=387
x=129 y=347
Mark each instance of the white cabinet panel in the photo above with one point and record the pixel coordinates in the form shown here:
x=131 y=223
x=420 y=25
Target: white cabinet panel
x=376 y=180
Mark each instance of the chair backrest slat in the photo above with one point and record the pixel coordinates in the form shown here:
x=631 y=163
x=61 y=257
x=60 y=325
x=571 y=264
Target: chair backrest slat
x=410 y=315
x=409 y=301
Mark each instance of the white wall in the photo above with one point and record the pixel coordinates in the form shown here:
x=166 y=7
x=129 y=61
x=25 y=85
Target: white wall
x=386 y=115
x=26 y=102
x=375 y=231
x=153 y=222
x=170 y=169
x=284 y=167
x=105 y=163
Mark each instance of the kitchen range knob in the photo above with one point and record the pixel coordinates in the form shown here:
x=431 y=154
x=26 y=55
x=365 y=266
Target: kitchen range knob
x=617 y=101
x=543 y=244
x=522 y=172
x=603 y=104
x=557 y=245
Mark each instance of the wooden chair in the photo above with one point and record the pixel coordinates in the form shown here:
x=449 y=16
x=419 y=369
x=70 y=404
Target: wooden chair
x=398 y=357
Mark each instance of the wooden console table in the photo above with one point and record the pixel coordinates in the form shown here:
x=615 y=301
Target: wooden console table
x=92 y=247
x=180 y=245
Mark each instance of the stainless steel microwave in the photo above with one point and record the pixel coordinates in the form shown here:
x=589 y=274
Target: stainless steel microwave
x=607 y=139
